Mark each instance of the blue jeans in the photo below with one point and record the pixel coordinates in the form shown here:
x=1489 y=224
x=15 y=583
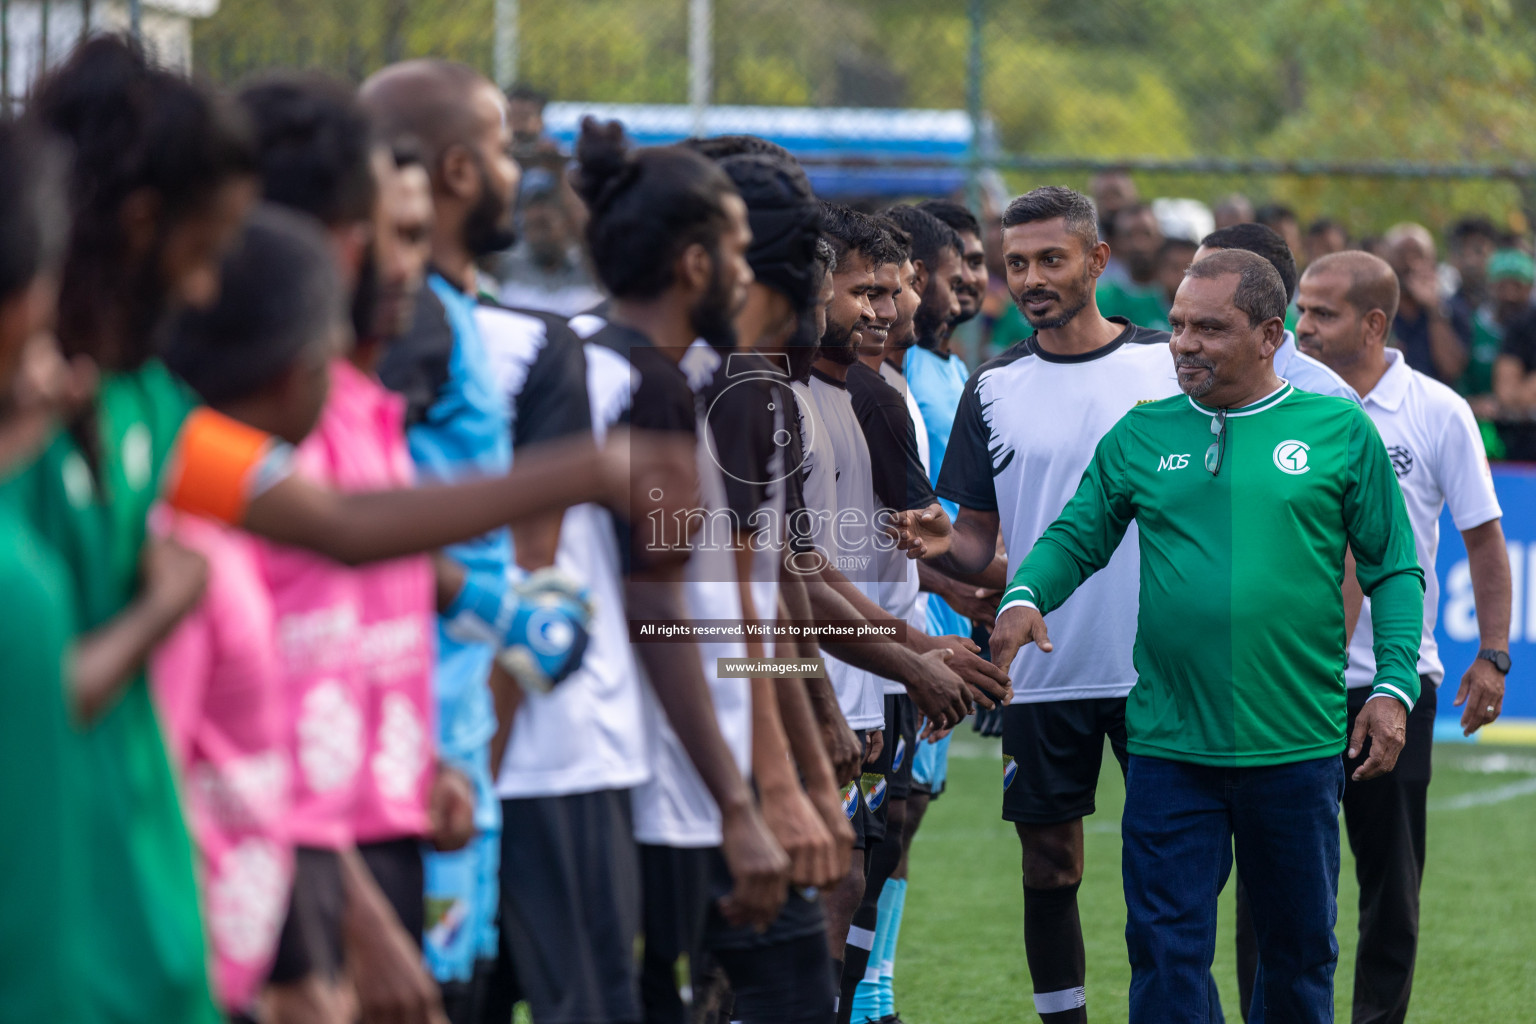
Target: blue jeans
x=1178 y=831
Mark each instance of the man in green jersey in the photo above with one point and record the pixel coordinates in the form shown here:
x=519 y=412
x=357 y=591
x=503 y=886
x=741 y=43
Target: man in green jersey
x=1246 y=493
x=42 y=932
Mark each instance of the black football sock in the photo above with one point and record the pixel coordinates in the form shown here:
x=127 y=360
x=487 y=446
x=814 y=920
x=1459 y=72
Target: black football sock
x=1053 y=945
x=861 y=939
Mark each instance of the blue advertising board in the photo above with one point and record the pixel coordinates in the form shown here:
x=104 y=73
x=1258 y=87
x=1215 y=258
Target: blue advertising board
x=1456 y=628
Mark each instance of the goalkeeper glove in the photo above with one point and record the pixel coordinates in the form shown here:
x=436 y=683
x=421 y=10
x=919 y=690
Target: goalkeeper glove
x=539 y=625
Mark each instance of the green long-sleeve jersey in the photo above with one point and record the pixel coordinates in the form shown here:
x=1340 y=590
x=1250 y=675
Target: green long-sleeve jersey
x=1240 y=646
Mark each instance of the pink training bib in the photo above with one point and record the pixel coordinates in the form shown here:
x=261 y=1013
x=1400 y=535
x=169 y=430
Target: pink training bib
x=363 y=434
x=318 y=607
x=219 y=689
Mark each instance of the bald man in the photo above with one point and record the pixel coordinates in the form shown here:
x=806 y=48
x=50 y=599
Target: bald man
x=1347 y=301
x=459 y=428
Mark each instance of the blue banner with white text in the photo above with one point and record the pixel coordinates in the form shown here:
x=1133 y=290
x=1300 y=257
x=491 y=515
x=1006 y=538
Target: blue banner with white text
x=1456 y=629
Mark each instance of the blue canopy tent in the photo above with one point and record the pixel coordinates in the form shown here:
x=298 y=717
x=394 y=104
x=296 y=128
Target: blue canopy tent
x=848 y=152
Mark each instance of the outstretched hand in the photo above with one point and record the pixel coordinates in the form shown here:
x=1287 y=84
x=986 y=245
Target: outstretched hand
x=925 y=532
x=1016 y=627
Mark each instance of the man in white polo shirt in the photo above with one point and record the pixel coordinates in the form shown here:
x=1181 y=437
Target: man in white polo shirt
x=1293 y=365
x=1347 y=301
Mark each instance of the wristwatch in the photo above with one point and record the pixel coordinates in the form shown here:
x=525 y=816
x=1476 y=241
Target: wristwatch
x=1500 y=659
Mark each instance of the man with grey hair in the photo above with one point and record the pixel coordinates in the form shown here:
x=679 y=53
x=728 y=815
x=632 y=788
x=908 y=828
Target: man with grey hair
x=1246 y=492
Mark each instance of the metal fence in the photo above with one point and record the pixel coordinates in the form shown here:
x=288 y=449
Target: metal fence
x=1364 y=112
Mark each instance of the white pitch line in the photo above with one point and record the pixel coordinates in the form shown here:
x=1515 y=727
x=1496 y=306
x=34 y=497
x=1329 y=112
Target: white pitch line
x=1485 y=797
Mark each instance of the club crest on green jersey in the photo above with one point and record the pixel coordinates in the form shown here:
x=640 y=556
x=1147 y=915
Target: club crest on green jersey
x=1291 y=457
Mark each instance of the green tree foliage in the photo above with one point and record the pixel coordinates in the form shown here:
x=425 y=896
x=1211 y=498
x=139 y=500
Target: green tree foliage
x=1433 y=81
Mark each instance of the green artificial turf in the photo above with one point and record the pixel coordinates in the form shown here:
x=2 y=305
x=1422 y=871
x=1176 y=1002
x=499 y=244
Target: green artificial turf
x=961 y=958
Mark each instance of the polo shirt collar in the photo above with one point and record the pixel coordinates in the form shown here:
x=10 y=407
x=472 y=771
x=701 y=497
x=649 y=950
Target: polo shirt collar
x=1284 y=353
x=1390 y=391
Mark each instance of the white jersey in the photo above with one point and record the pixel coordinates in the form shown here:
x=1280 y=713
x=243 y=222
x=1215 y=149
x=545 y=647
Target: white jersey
x=586 y=734
x=1026 y=428
x=674 y=808
x=840 y=494
x=1437 y=452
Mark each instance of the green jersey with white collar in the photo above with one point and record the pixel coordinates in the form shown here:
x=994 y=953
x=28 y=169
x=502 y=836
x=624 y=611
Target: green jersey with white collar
x=1240 y=646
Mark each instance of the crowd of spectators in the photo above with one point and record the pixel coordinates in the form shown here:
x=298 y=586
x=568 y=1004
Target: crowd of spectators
x=1467 y=314
x=1466 y=317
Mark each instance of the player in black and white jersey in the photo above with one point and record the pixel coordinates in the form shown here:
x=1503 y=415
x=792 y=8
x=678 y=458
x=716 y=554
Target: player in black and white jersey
x=668 y=235
x=782 y=974
x=852 y=538
x=900 y=483
x=1026 y=428
x=569 y=757
x=930 y=280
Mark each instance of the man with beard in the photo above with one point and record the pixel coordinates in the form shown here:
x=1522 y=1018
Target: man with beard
x=1136 y=239
x=932 y=300
x=1298 y=368
x=850 y=535
x=1347 y=300
x=318 y=155
x=973 y=255
x=936 y=377
x=668 y=236
x=1290 y=362
x=900 y=481
x=1026 y=428
x=457 y=427
x=782 y=974
x=1237 y=722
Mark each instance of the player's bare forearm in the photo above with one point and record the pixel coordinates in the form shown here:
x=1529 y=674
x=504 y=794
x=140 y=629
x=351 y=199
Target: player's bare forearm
x=834 y=598
x=972 y=549
x=109 y=657
x=448 y=578
x=770 y=748
x=962 y=596
x=363 y=527
x=535 y=541
x=1488 y=561
x=392 y=984
x=803 y=731
x=836 y=740
x=507 y=696
x=1481 y=692
x=823 y=700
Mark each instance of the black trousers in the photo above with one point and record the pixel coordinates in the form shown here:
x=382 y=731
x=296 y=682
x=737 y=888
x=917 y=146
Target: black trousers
x=1385 y=821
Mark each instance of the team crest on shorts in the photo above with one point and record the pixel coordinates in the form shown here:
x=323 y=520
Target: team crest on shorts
x=851 y=799
x=898 y=758
x=874 y=790
x=1010 y=769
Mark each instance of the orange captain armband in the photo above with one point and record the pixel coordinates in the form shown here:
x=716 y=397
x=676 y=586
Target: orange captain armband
x=214 y=466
